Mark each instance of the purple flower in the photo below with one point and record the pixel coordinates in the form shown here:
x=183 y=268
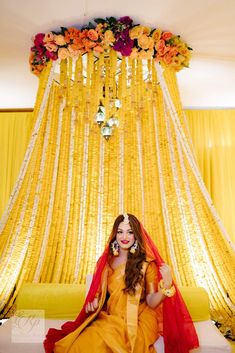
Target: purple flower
x=39 y=58
x=39 y=39
x=39 y=49
x=125 y=34
x=124 y=47
x=51 y=55
x=126 y=20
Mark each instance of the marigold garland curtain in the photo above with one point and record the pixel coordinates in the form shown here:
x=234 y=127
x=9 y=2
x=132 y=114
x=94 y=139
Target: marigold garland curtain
x=73 y=183
x=215 y=155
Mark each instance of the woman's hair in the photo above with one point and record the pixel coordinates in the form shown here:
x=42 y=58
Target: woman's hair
x=133 y=273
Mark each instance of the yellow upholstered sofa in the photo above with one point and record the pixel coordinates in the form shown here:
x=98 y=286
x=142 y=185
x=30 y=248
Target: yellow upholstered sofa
x=49 y=305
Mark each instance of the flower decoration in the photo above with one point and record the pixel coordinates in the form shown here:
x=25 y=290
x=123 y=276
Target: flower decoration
x=128 y=39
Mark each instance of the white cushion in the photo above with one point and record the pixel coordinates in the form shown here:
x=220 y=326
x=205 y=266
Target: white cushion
x=210 y=338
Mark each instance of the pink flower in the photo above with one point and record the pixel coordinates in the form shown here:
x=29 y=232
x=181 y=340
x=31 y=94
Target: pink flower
x=124 y=46
x=51 y=55
x=38 y=40
x=166 y=35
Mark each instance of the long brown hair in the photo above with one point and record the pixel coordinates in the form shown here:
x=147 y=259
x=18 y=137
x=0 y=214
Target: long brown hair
x=133 y=273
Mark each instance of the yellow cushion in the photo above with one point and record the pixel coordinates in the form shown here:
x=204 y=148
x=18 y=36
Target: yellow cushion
x=59 y=301
x=197 y=301
x=64 y=301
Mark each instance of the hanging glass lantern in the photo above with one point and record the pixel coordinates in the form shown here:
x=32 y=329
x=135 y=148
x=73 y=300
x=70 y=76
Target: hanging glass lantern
x=100 y=115
x=106 y=131
x=118 y=103
x=113 y=121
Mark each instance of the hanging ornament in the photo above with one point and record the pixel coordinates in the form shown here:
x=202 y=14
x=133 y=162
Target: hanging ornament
x=100 y=115
x=106 y=131
x=113 y=121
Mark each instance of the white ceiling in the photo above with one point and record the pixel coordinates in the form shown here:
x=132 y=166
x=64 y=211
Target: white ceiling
x=207 y=26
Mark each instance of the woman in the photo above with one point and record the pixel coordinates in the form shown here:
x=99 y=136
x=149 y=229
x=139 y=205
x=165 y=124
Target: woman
x=132 y=300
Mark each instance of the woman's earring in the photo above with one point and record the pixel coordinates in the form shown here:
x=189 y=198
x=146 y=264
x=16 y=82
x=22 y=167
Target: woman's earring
x=134 y=247
x=115 y=248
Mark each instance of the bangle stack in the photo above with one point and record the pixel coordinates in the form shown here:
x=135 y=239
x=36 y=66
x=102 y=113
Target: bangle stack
x=168 y=292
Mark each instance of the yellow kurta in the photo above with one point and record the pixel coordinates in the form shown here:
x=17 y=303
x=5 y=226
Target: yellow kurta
x=111 y=331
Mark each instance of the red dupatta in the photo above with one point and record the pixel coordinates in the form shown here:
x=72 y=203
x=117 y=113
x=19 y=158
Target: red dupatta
x=178 y=330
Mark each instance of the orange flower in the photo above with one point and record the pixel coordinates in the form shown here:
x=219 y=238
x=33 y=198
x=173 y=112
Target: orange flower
x=78 y=42
x=98 y=49
x=173 y=51
x=59 y=39
x=49 y=37
x=83 y=34
x=73 y=50
x=156 y=35
x=89 y=45
x=167 y=58
x=63 y=53
x=71 y=33
x=166 y=35
x=161 y=48
x=92 y=34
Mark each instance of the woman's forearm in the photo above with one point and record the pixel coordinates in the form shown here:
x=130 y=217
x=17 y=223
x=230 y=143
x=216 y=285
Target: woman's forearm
x=154 y=299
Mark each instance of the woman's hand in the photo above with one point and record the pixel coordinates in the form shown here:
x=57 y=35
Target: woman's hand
x=92 y=306
x=165 y=271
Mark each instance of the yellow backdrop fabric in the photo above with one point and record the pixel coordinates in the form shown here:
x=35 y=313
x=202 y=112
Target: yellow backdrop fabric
x=15 y=130
x=213 y=136
x=213 y=139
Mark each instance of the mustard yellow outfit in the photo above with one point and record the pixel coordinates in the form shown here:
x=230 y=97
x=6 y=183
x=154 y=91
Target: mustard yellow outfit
x=122 y=323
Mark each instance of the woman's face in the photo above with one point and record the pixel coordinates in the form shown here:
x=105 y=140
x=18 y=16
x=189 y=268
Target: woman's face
x=125 y=236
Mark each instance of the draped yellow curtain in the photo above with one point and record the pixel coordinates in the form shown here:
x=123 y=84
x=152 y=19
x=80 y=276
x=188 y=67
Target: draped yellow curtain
x=73 y=183
x=15 y=130
x=213 y=136
x=212 y=132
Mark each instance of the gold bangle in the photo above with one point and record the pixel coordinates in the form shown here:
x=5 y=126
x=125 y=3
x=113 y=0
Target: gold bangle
x=168 y=292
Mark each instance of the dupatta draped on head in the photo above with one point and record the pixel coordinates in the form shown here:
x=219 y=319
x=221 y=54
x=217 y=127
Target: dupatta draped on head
x=178 y=330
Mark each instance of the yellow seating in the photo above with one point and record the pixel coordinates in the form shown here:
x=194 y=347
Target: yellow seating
x=64 y=301
x=58 y=301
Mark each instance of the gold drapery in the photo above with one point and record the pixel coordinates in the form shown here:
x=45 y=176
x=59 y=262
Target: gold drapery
x=215 y=155
x=15 y=131
x=213 y=139
x=73 y=183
